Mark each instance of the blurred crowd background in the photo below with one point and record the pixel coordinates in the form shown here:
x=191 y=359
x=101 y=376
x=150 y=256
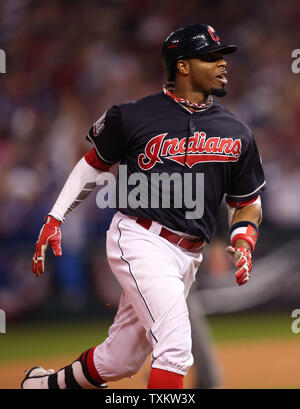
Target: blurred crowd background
x=69 y=61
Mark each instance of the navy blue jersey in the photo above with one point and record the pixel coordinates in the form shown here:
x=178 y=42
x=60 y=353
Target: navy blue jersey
x=156 y=135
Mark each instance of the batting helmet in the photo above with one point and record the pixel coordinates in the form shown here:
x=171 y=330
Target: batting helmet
x=190 y=42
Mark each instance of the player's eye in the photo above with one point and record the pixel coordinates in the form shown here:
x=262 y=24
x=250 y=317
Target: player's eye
x=212 y=57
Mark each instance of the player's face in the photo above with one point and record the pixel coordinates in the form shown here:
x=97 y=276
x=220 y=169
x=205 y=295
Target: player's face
x=208 y=74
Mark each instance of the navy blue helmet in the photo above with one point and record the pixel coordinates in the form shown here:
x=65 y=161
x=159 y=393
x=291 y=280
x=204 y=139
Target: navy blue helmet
x=191 y=41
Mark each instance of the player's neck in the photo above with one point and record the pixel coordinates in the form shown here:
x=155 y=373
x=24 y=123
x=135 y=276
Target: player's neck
x=190 y=94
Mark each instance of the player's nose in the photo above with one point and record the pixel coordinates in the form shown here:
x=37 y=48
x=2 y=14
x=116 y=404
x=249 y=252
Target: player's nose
x=222 y=63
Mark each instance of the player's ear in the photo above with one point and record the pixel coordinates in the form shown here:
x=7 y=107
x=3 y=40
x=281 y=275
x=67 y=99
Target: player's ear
x=183 y=66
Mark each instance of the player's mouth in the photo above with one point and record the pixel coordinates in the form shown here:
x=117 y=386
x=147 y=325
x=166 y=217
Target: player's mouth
x=222 y=78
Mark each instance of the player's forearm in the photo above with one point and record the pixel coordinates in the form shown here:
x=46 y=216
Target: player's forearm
x=80 y=183
x=251 y=213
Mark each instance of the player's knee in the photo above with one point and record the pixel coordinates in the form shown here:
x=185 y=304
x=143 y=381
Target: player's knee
x=173 y=348
x=113 y=367
x=177 y=357
x=117 y=373
x=131 y=370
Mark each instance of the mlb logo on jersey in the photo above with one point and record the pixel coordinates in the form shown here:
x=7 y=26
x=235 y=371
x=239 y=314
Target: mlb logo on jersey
x=99 y=125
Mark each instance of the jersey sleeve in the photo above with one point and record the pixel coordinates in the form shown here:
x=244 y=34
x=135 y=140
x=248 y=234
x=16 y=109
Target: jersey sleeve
x=247 y=179
x=108 y=136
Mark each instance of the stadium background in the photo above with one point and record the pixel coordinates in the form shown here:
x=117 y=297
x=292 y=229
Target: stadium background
x=66 y=63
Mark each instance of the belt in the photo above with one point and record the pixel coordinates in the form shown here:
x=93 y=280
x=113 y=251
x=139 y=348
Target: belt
x=187 y=244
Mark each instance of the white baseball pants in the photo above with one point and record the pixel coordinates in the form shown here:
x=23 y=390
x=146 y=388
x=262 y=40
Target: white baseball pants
x=155 y=276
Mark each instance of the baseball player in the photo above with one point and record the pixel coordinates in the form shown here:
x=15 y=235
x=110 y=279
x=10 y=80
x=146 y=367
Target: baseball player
x=155 y=250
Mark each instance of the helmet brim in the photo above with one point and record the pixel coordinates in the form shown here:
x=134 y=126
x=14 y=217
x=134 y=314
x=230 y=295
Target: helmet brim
x=224 y=49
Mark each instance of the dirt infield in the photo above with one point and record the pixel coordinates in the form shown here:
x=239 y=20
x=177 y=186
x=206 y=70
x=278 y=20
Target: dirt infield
x=255 y=364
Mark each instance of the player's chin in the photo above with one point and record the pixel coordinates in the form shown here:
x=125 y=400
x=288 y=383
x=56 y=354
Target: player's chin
x=219 y=91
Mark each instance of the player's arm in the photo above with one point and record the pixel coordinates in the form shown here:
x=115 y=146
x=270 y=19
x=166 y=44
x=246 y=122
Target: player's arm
x=251 y=212
x=244 y=208
x=80 y=183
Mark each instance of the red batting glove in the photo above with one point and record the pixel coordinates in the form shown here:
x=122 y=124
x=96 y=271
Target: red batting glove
x=241 y=257
x=49 y=234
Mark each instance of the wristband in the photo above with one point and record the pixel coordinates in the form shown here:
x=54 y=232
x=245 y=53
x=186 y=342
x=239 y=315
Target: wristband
x=247 y=231
x=49 y=218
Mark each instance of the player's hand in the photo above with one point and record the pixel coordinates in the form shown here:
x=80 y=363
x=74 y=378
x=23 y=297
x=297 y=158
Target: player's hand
x=241 y=257
x=50 y=234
